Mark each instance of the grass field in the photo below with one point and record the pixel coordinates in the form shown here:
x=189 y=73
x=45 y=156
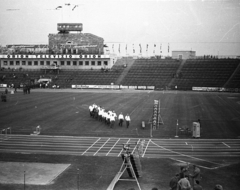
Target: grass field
x=65 y=112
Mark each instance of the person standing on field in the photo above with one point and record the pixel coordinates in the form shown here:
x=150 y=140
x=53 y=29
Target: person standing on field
x=127 y=118
x=120 y=118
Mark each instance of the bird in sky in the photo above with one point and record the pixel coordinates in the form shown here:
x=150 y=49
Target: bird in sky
x=74 y=7
x=59 y=7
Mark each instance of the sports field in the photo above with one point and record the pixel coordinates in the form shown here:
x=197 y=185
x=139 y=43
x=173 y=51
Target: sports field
x=62 y=113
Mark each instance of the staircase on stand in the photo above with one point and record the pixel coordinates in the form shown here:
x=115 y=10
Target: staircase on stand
x=129 y=62
x=183 y=61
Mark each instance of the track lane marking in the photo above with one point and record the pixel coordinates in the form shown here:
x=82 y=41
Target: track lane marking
x=113 y=147
x=226 y=145
x=146 y=148
x=136 y=145
x=91 y=146
x=101 y=147
x=185 y=155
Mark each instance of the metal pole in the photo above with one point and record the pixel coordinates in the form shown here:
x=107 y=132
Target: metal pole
x=177 y=129
x=24 y=181
x=78 y=179
x=151 y=130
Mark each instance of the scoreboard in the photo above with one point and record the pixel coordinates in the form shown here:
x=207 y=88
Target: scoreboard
x=66 y=27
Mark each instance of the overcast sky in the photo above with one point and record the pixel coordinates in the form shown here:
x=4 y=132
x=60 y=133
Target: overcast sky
x=204 y=26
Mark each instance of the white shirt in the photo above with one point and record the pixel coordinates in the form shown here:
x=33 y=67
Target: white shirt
x=127 y=118
x=120 y=116
x=91 y=108
x=112 y=118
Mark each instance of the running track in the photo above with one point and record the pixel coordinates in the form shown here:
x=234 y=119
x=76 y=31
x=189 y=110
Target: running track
x=207 y=153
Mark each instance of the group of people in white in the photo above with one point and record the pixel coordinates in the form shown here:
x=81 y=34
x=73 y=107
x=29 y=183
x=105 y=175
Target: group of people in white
x=108 y=116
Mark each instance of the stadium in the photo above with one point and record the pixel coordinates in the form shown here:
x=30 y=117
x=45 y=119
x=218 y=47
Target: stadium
x=58 y=99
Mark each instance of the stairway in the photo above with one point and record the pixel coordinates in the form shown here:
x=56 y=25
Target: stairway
x=177 y=72
x=236 y=70
x=129 y=62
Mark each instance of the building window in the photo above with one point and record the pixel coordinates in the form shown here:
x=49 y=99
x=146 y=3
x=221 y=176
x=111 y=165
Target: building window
x=23 y=62
x=41 y=62
x=92 y=62
x=11 y=62
x=99 y=63
x=48 y=62
x=29 y=62
x=74 y=51
x=17 y=62
x=80 y=62
x=68 y=62
x=5 y=63
x=62 y=63
x=74 y=62
x=105 y=63
x=86 y=62
x=35 y=62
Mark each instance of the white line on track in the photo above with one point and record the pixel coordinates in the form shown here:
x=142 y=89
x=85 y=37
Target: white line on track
x=91 y=146
x=185 y=155
x=113 y=147
x=101 y=147
x=198 y=164
x=186 y=143
x=146 y=147
x=226 y=145
x=136 y=145
x=122 y=149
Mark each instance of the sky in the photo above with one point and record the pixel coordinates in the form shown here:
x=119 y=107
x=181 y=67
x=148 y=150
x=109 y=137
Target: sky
x=209 y=27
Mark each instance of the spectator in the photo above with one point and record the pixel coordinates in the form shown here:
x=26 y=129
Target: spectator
x=184 y=184
x=196 y=174
x=218 y=187
x=197 y=186
x=173 y=182
x=4 y=97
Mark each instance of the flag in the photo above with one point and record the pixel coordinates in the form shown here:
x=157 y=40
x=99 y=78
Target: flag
x=119 y=48
x=160 y=48
x=154 y=48
x=168 y=47
x=113 y=47
x=147 y=48
x=133 y=49
x=140 y=48
x=126 y=47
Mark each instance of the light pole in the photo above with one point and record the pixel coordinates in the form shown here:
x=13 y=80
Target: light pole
x=10 y=130
x=78 y=179
x=24 y=180
x=176 y=130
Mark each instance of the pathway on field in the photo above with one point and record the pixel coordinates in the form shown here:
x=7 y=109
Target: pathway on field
x=207 y=153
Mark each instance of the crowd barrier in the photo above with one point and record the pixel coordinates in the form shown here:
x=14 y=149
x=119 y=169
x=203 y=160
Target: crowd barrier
x=116 y=87
x=215 y=89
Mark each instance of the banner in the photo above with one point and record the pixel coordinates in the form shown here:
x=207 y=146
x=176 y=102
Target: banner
x=141 y=87
x=150 y=87
x=3 y=85
x=47 y=56
x=155 y=114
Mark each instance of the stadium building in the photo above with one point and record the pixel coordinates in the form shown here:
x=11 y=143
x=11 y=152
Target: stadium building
x=68 y=49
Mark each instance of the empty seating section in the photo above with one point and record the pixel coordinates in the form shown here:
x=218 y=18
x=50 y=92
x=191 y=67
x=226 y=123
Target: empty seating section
x=145 y=72
x=205 y=73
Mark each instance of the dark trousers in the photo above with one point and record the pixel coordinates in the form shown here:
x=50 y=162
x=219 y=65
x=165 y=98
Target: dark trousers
x=120 y=122
x=127 y=123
